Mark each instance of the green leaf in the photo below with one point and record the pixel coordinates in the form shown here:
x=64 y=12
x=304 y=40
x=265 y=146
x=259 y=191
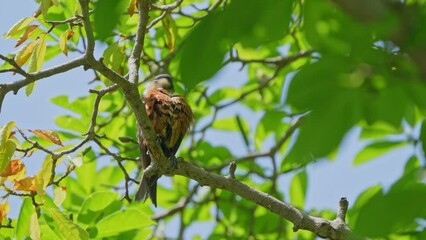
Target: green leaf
x=377 y=218
x=423 y=136
x=298 y=189
x=376 y=149
x=66 y=227
x=19 y=26
x=5 y=132
x=121 y=221
x=106 y=17
x=95 y=205
x=23 y=225
x=7 y=146
x=230 y=124
x=43 y=176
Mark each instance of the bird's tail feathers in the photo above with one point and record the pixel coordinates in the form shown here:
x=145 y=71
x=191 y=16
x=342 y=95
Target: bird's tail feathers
x=147 y=188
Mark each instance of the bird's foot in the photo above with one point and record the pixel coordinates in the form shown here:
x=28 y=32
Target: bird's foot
x=159 y=140
x=174 y=161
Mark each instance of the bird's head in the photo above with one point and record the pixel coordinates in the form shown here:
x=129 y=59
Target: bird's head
x=162 y=81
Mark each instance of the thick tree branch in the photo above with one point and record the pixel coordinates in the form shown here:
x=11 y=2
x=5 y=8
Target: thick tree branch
x=322 y=227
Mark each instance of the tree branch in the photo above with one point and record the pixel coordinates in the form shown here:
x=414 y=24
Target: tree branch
x=324 y=228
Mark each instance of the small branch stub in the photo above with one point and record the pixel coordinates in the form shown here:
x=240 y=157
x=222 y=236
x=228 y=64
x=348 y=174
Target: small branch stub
x=232 y=168
x=342 y=209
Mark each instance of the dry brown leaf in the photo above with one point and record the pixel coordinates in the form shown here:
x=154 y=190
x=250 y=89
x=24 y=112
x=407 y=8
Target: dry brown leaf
x=30 y=29
x=13 y=168
x=48 y=135
x=26 y=184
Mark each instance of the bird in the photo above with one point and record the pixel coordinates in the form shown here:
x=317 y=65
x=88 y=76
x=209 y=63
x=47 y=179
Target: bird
x=171 y=117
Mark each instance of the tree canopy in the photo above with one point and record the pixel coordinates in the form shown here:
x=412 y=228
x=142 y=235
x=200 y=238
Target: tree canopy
x=275 y=87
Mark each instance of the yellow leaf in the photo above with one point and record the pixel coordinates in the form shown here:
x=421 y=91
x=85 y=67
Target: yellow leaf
x=25 y=184
x=4 y=209
x=34 y=227
x=41 y=53
x=132 y=7
x=7 y=146
x=24 y=53
x=30 y=29
x=171 y=31
x=63 y=42
x=43 y=176
x=59 y=194
x=20 y=25
x=48 y=135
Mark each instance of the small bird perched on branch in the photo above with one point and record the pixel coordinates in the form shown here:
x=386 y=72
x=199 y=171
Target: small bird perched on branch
x=171 y=118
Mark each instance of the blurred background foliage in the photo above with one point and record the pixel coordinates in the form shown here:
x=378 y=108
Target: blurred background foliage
x=299 y=76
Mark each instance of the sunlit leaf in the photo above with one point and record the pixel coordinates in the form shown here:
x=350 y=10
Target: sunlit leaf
x=34 y=227
x=4 y=210
x=66 y=227
x=95 y=204
x=48 y=135
x=24 y=53
x=377 y=149
x=26 y=184
x=7 y=146
x=63 y=42
x=45 y=5
x=23 y=225
x=20 y=25
x=44 y=175
x=77 y=161
x=171 y=31
x=133 y=218
x=298 y=189
x=59 y=195
x=30 y=29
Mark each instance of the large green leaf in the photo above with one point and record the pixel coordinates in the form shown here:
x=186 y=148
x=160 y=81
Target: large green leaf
x=23 y=225
x=122 y=221
x=298 y=189
x=66 y=228
x=392 y=212
x=106 y=16
x=377 y=149
x=96 y=205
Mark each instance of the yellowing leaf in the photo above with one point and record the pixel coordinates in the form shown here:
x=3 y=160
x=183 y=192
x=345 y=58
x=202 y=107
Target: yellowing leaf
x=4 y=209
x=59 y=194
x=34 y=227
x=63 y=42
x=7 y=146
x=6 y=131
x=171 y=31
x=55 y=2
x=13 y=168
x=24 y=53
x=67 y=228
x=30 y=29
x=26 y=184
x=20 y=25
x=132 y=7
x=45 y=5
x=36 y=62
x=48 y=135
x=43 y=176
